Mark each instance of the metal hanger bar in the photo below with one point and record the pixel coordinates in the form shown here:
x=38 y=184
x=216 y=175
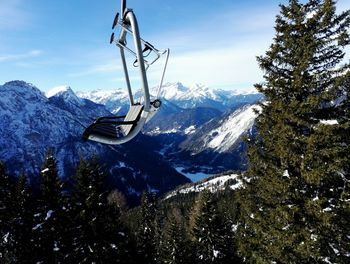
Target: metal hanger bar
x=130 y=18
x=122 y=7
x=127 y=78
x=163 y=73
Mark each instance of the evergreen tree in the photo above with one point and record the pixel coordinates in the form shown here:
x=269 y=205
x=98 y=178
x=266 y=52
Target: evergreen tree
x=209 y=232
x=49 y=218
x=50 y=183
x=146 y=236
x=175 y=247
x=294 y=207
x=123 y=247
x=98 y=234
x=6 y=207
x=22 y=222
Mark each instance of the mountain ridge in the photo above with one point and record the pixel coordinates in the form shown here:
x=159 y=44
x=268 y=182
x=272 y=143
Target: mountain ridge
x=32 y=123
x=196 y=95
x=173 y=134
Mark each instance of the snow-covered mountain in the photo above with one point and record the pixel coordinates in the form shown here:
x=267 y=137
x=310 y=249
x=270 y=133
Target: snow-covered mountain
x=115 y=101
x=198 y=127
x=221 y=135
x=196 y=95
x=201 y=140
x=32 y=123
x=212 y=147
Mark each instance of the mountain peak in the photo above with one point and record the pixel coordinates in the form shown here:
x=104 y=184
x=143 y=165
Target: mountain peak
x=66 y=93
x=59 y=90
x=19 y=83
x=102 y=96
x=23 y=89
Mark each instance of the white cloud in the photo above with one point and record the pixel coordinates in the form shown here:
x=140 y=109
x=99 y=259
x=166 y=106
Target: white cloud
x=20 y=56
x=98 y=69
x=220 y=51
x=228 y=67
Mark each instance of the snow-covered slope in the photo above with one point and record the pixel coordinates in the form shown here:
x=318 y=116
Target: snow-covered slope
x=194 y=96
x=30 y=123
x=229 y=130
x=213 y=184
x=220 y=135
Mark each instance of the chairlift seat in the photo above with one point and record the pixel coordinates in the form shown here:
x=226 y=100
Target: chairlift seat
x=121 y=129
x=113 y=127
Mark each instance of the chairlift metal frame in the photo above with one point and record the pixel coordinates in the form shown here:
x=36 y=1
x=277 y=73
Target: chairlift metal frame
x=116 y=130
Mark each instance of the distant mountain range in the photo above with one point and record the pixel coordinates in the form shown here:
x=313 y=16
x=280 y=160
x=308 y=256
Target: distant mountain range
x=198 y=129
x=191 y=97
x=32 y=123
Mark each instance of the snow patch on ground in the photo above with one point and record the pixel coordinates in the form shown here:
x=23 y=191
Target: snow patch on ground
x=190 y=130
x=48 y=215
x=45 y=170
x=213 y=185
x=329 y=122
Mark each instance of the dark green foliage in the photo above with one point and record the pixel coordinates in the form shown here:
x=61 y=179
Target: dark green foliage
x=50 y=184
x=94 y=225
x=50 y=220
x=175 y=246
x=293 y=208
x=147 y=230
x=213 y=237
x=98 y=235
x=6 y=206
x=22 y=223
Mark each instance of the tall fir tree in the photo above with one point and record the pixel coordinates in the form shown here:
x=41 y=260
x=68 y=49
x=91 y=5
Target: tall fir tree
x=209 y=232
x=6 y=207
x=295 y=205
x=22 y=223
x=176 y=248
x=147 y=236
x=49 y=218
x=98 y=235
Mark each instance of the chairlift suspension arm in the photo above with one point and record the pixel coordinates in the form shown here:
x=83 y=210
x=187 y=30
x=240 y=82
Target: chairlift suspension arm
x=126 y=74
x=130 y=18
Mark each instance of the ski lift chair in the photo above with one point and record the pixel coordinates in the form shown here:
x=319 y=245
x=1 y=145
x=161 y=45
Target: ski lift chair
x=115 y=130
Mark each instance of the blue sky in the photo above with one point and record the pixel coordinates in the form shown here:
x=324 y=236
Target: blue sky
x=60 y=42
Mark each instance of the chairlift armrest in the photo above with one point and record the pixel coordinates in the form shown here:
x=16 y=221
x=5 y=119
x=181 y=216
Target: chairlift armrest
x=109 y=117
x=117 y=123
x=89 y=130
